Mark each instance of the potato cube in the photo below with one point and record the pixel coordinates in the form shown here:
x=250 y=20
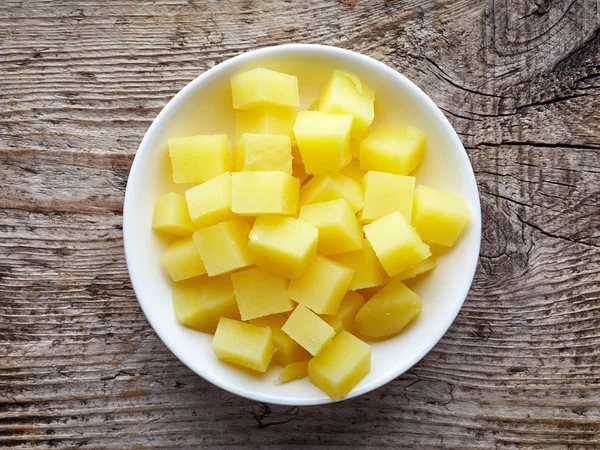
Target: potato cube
x=263 y=87
x=439 y=216
x=210 y=203
x=182 y=260
x=389 y=311
x=345 y=94
x=396 y=243
x=201 y=301
x=384 y=193
x=348 y=309
x=323 y=140
x=340 y=366
x=266 y=120
x=308 y=330
x=171 y=215
x=293 y=371
x=354 y=171
x=288 y=350
x=423 y=267
x=322 y=188
x=368 y=271
x=283 y=245
x=392 y=149
x=243 y=344
x=299 y=172
x=224 y=247
x=339 y=229
x=262 y=152
x=256 y=193
x=322 y=286
x=199 y=158
x=260 y=293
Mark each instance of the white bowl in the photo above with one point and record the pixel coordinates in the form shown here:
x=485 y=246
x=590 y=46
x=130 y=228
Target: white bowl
x=203 y=106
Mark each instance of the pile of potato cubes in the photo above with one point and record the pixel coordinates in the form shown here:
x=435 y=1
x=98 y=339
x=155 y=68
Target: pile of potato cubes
x=281 y=239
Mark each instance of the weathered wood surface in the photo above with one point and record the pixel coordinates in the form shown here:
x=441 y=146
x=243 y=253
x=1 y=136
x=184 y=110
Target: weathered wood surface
x=81 y=81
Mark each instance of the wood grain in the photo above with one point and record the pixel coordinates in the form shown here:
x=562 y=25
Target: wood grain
x=80 y=82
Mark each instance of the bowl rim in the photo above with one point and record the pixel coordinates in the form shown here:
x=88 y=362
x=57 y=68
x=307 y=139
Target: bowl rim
x=173 y=104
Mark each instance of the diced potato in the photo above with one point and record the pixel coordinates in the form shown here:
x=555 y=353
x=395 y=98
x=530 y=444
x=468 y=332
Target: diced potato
x=384 y=193
x=266 y=120
x=257 y=193
x=201 y=301
x=199 y=158
x=348 y=309
x=308 y=330
x=210 y=203
x=424 y=266
x=345 y=94
x=334 y=322
x=438 y=216
x=182 y=260
x=263 y=87
x=263 y=152
x=298 y=172
x=339 y=229
x=340 y=366
x=396 y=243
x=288 y=350
x=392 y=149
x=354 y=171
x=224 y=247
x=260 y=293
x=243 y=344
x=322 y=286
x=389 y=311
x=293 y=371
x=368 y=271
x=322 y=188
x=283 y=245
x=323 y=140
x=171 y=215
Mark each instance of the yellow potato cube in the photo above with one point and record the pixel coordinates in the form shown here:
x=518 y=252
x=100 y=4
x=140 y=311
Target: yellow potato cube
x=354 y=171
x=224 y=247
x=340 y=366
x=293 y=371
x=171 y=215
x=389 y=311
x=345 y=94
x=199 y=158
x=263 y=87
x=298 y=172
x=351 y=304
x=260 y=293
x=322 y=286
x=323 y=140
x=339 y=229
x=322 y=188
x=201 y=301
x=182 y=260
x=438 y=216
x=368 y=271
x=263 y=152
x=384 y=193
x=243 y=344
x=288 y=350
x=266 y=120
x=210 y=203
x=392 y=149
x=256 y=193
x=283 y=245
x=308 y=330
x=396 y=243
x=423 y=267
x=334 y=322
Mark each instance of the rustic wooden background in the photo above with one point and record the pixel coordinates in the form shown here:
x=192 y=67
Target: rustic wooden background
x=80 y=82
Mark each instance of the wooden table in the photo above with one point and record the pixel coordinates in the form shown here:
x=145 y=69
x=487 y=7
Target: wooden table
x=80 y=82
